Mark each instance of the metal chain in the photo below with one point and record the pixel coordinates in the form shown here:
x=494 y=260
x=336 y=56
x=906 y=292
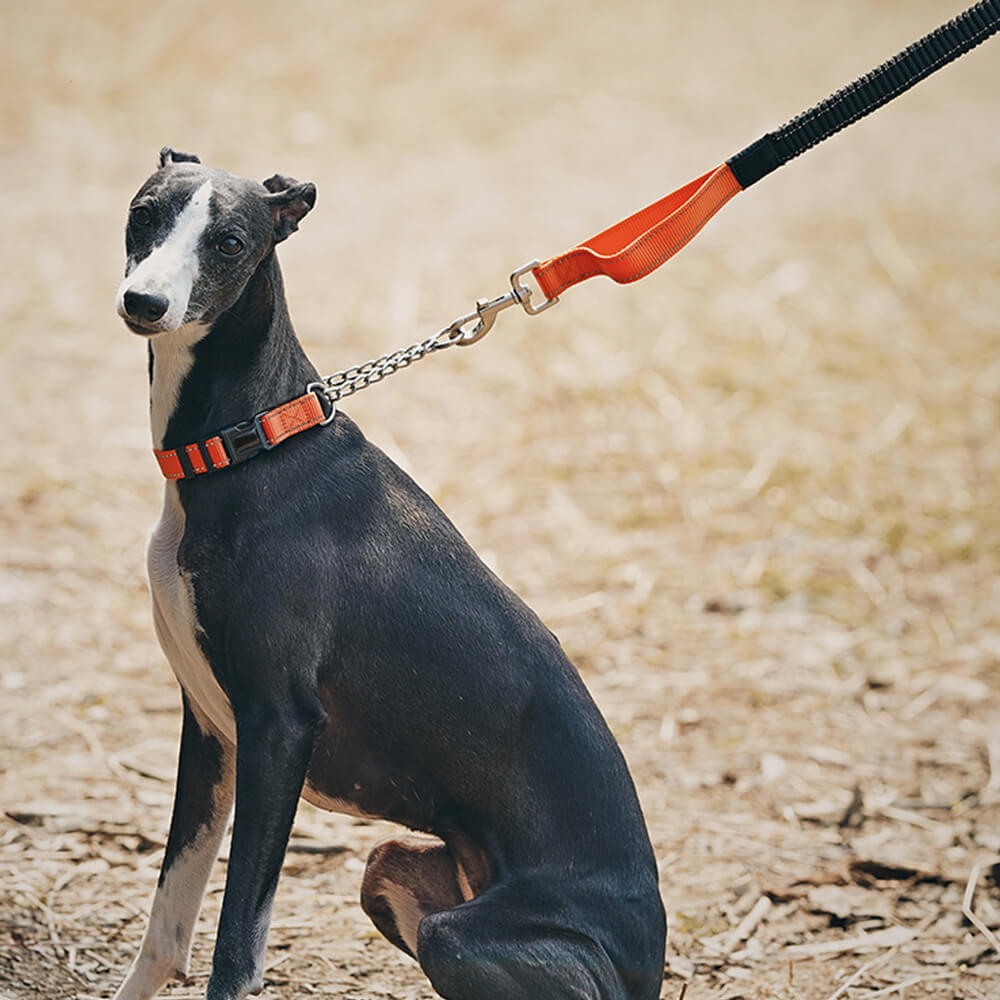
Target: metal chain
x=351 y=380
x=462 y=332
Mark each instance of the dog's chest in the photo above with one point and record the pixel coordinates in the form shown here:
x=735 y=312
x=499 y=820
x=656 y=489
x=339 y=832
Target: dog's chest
x=176 y=621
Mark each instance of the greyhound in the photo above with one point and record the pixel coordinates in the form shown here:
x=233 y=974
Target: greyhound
x=335 y=637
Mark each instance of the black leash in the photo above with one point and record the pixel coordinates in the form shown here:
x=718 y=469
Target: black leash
x=867 y=93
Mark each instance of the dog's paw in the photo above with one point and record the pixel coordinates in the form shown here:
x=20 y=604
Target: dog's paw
x=232 y=984
x=147 y=976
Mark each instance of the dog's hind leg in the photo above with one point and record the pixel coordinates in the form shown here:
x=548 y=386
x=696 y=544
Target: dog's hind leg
x=202 y=805
x=408 y=878
x=274 y=742
x=512 y=944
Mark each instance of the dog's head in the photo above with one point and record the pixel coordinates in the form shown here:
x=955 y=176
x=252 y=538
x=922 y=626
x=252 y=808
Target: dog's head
x=195 y=236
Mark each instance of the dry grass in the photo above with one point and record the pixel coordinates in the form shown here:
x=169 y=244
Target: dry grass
x=756 y=494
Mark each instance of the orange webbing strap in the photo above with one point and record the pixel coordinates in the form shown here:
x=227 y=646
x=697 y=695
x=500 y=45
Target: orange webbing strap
x=238 y=443
x=642 y=242
x=170 y=464
x=297 y=415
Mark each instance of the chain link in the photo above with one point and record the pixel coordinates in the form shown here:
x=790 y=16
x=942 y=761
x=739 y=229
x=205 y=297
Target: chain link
x=351 y=380
x=463 y=332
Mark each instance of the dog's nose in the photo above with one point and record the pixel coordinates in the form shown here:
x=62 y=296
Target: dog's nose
x=148 y=308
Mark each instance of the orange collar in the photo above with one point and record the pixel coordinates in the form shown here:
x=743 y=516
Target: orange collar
x=244 y=440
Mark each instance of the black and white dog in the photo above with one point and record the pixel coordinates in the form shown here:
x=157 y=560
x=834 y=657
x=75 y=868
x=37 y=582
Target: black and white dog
x=336 y=638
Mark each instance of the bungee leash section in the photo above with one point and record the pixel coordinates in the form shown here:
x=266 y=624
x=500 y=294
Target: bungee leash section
x=625 y=252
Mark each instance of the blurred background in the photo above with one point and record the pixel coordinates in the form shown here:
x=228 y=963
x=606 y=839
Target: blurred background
x=756 y=494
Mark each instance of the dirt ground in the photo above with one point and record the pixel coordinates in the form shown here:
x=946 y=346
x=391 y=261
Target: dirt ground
x=756 y=494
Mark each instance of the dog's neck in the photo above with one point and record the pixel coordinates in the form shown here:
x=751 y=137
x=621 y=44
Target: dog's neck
x=205 y=378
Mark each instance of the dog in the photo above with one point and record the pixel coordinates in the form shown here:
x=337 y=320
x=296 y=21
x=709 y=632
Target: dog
x=336 y=638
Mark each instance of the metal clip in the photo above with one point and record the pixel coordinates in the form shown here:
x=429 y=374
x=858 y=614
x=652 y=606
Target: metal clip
x=485 y=316
x=486 y=311
x=523 y=292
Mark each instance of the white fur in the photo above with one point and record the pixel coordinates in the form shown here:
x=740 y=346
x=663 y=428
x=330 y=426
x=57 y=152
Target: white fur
x=464 y=885
x=172 y=268
x=174 y=615
x=176 y=622
x=172 y=360
x=406 y=911
x=166 y=946
x=316 y=798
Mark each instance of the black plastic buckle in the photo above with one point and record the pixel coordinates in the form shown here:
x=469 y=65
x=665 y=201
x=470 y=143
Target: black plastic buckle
x=245 y=439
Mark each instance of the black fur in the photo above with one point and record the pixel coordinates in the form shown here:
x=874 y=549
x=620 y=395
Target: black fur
x=201 y=768
x=168 y=155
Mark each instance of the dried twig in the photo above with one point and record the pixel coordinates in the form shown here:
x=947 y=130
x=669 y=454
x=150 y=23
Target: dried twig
x=896 y=987
x=967 y=899
x=889 y=938
x=745 y=928
x=866 y=968
x=294 y=848
x=89 y=735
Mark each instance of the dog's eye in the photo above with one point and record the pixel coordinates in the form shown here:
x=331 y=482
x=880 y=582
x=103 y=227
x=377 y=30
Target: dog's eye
x=142 y=216
x=230 y=246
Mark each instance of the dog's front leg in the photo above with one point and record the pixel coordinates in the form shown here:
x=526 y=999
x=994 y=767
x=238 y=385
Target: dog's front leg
x=202 y=804
x=273 y=748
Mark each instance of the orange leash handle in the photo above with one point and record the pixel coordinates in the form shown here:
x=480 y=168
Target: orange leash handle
x=634 y=247
x=641 y=243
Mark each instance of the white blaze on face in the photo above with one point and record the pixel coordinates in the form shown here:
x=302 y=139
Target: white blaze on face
x=172 y=268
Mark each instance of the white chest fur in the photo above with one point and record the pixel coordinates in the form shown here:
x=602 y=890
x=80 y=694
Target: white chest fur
x=173 y=358
x=176 y=621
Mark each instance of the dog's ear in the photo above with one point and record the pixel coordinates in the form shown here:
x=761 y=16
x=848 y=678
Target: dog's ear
x=289 y=200
x=168 y=155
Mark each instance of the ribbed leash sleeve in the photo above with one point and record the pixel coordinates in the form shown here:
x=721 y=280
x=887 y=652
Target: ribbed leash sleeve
x=868 y=93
